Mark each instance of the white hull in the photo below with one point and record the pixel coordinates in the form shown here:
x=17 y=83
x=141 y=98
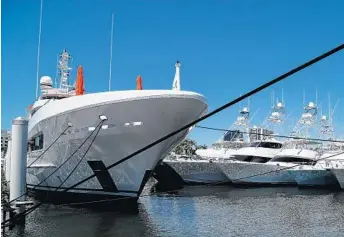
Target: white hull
x=215 y=154
x=159 y=113
x=339 y=173
x=315 y=177
x=256 y=173
x=200 y=171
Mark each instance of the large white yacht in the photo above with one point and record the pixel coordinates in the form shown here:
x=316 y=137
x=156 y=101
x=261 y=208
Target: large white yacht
x=129 y=120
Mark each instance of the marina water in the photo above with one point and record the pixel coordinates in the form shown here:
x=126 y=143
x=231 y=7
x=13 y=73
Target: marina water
x=202 y=211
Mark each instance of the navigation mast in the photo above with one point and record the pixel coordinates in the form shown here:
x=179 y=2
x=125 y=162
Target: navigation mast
x=64 y=71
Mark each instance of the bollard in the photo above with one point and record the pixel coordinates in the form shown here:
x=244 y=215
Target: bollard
x=18 y=158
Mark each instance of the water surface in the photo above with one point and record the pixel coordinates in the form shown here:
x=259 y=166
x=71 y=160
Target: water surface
x=202 y=211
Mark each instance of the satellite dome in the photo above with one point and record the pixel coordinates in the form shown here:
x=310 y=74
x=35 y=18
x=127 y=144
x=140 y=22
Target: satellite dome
x=279 y=105
x=245 y=109
x=323 y=117
x=311 y=105
x=46 y=81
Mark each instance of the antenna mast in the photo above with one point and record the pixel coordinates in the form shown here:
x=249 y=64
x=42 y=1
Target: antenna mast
x=111 y=52
x=39 y=47
x=282 y=97
x=64 y=70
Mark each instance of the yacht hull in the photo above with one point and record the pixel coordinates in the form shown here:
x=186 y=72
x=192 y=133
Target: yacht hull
x=314 y=178
x=198 y=172
x=256 y=173
x=339 y=173
x=134 y=120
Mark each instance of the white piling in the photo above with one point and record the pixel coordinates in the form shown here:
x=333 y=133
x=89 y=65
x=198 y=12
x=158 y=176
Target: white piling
x=18 y=158
x=8 y=161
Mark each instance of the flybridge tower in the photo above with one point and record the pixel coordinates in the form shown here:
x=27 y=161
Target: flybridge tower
x=64 y=70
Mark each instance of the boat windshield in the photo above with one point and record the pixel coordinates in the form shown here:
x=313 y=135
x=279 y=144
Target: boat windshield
x=294 y=160
x=271 y=145
x=256 y=159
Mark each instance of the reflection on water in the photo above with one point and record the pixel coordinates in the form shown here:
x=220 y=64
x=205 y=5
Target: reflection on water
x=203 y=211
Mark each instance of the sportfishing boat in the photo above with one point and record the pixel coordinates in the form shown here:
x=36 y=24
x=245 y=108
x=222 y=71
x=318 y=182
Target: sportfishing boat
x=318 y=174
x=263 y=148
x=202 y=168
x=231 y=140
x=100 y=129
x=275 y=171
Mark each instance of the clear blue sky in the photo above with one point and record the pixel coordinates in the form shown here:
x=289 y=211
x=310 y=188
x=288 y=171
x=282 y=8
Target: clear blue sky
x=225 y=47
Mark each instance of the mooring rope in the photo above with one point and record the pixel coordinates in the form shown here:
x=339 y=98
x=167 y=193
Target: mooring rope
x=29 y=210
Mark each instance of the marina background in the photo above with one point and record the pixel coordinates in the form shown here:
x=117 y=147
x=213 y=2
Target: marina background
x=226 y=49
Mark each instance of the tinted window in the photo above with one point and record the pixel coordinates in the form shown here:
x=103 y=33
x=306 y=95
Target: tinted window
x=271 y=145
x=36 y=142
x=294 y=160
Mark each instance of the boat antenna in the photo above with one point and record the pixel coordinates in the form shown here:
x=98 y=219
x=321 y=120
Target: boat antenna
x=39 y=47
x=282 y=98
x=329 y=107
x=334 y=108
x=240 y=107
x=57 y=70
x=248 y=103
x=112 y=18
x=304 y=98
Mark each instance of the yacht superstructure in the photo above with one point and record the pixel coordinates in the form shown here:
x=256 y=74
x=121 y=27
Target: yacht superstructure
x=129 y=121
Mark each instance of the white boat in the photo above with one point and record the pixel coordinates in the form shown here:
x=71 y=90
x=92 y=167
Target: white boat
x=232 y=140
x=318 y=174
x=257 y=152
x=250 y=162
x=132 y=120
x=197 y=171
x=337 y=168
x=202 y=168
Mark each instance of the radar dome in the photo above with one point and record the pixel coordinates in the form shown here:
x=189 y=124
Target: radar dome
x=245 y=109
x=46 y=81
x=311 y=105
x=323 y=117
x=279 y=105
